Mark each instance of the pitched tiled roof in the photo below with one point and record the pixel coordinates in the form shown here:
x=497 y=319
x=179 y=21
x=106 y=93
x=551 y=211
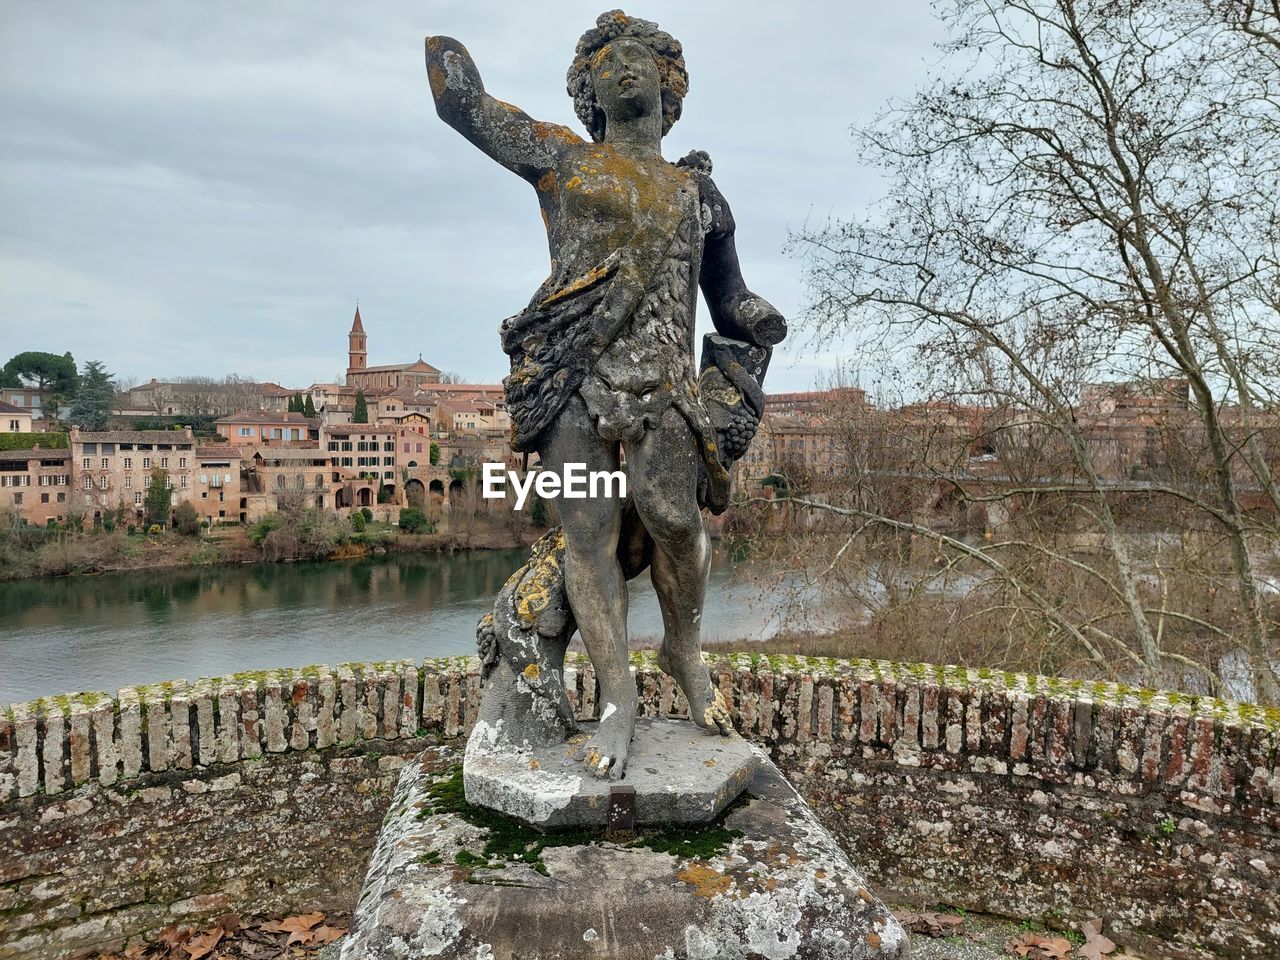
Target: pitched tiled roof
x=133 y=436
x=260 y=416
x=223 y=451
x=346 y=429
x=33 y=454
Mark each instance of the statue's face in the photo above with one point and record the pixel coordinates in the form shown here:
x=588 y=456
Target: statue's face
x=626 y=80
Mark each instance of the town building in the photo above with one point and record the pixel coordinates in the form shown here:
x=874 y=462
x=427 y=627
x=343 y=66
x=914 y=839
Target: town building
x=217 y=483
x=273 y=474
x=113 y=468
x=261 y=427
x=36 y=482
x=202 y=397
x=14 y=419
x=24 y=398
x=393 y=376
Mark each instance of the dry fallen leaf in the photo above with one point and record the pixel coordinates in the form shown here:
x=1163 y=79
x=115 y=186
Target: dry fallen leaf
x=1095 y=946
x=1039 y=947
x=202 y=945
x=327 y=934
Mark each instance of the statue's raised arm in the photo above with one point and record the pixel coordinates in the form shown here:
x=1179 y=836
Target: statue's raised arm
x=521 y=144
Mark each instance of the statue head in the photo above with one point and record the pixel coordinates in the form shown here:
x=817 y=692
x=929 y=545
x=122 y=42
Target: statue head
x=637 y=60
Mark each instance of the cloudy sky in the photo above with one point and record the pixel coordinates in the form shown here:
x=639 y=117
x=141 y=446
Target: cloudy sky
x=207 y=188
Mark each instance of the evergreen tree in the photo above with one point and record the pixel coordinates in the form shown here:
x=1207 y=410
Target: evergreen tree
x=52 y=374
x=361 y=414
x=95 y=397
x=295 y=403
x=309 y=408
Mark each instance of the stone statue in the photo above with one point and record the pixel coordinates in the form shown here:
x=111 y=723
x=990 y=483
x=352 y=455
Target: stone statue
x=602 y=369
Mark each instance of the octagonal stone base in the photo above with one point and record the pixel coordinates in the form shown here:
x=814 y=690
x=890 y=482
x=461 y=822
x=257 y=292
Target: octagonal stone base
x=773 y=883
x=681 y=775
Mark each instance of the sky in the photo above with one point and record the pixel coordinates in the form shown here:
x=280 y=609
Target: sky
x=208 y=188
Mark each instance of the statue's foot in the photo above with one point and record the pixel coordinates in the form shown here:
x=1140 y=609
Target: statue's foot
x=605 y=752
x=707 y=707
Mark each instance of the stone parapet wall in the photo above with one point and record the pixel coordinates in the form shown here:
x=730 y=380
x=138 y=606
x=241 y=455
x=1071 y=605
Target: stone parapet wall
x=1037 y=798
x=1019 y=795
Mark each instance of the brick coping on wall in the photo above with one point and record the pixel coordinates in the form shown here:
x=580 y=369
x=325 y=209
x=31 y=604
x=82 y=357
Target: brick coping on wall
x=1002 y=722
x=1022 y=795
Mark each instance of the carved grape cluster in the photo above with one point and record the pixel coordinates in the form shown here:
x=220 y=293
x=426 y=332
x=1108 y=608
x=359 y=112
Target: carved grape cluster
x=736 y=436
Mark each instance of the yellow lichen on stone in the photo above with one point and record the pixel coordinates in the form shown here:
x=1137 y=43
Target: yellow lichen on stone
x=532 y=672
x=584 y=281
x=706 y=882
x=435 y=76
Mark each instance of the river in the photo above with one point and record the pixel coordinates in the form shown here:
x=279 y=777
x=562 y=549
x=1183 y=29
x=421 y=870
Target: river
x=73 y=634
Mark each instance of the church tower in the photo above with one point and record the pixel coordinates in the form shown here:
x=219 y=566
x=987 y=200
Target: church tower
x=357 y=355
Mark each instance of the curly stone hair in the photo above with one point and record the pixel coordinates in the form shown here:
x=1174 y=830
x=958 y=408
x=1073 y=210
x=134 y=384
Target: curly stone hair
x=667 y=53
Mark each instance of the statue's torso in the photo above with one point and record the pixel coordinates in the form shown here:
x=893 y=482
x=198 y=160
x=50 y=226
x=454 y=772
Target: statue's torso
x=595 y=204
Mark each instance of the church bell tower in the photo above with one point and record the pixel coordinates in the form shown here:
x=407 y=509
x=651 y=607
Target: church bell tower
x=357 y=356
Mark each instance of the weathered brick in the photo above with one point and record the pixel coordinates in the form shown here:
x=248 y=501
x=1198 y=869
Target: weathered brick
x=53 y=750
x=407 y=725
x=180 y=720
x=226 y=736
x=274 y=720
x=129 y=732
x=930 y=721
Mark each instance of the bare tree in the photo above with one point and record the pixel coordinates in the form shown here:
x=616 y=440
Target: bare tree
x=1086 y=191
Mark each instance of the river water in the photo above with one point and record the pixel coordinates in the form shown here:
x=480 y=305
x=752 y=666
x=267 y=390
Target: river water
x=74 y=634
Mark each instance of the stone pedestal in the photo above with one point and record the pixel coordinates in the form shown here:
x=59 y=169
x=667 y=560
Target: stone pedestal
x=763 y=880
x=680 y=774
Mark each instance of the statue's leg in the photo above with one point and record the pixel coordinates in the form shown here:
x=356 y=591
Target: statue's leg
x=664 y=482
x=595 y=586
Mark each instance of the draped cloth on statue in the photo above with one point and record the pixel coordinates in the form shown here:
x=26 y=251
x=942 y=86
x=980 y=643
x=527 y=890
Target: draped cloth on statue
x=556 y=341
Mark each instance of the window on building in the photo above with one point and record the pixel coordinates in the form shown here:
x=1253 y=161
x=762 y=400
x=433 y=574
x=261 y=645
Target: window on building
x=204 y=494
x=128 y=481
x=182 y=481
x=227 y=478
x=146 y=483
x=106 y=463
x=17 y=499
x=85 y=463
x=164 y=463
x=182 y=463
x=146 y=463
x=13 y=426
x=204 y=478
x=128 y=463
x=137 y=499
x=280 y=481
x=62 y=480
x=419 y=448
x=44 y=498
x=245 y=431
x=319 y=480
x=62 y=498
x=102 y=483
x=88 y=483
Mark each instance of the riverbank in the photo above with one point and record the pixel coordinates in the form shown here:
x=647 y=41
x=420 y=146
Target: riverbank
x=36 y=554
